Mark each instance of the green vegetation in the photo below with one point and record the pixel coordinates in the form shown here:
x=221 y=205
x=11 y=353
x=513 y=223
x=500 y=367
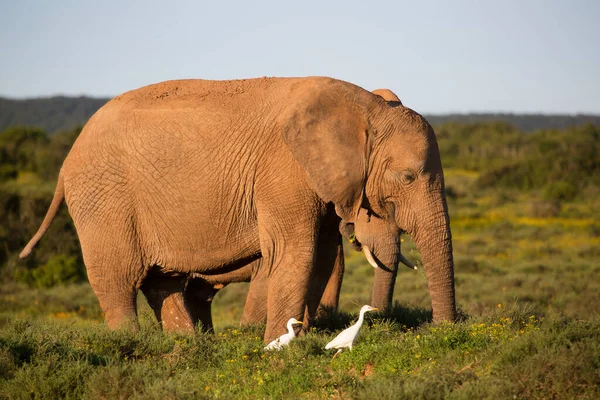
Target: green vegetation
x=29 y=165
x=503 y=354
x=526 y=233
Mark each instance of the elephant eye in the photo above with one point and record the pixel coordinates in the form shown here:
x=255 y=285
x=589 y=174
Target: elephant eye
x=408 y=177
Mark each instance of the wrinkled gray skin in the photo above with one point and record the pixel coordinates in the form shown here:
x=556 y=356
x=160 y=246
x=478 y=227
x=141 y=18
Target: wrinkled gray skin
x=193 y=176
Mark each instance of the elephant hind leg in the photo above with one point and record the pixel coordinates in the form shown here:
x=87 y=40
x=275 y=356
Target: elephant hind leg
x=117 y=298
x=165 y=295
x=119 y=306
x=198 y=296
x=114 y=272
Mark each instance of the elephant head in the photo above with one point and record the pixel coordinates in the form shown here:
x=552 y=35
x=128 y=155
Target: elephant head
x=379 y=240
x=360 y=151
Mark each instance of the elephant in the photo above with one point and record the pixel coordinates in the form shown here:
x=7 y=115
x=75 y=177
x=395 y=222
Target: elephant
x=202 y=289
x=197 y=176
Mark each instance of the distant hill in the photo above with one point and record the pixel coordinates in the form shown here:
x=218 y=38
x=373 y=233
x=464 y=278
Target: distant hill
x=52 y=114
x=55 y=114
x=525 y=122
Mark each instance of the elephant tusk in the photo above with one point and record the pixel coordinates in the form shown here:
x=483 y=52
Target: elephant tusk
x=369 y=257
x=404 y=261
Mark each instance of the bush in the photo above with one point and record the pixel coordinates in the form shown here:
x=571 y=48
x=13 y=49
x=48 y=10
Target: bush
x=20 y=146
x=60 y=269
x=561 y=190
x=562 y=162
x=8 y=172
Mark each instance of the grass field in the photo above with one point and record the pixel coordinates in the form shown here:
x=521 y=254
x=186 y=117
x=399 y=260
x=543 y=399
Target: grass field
x=527 y=286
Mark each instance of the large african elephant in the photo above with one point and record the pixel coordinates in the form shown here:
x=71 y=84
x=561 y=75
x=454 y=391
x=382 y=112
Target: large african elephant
x=195 y=176
x=379 y=235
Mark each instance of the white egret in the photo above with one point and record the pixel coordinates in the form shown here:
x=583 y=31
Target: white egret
x=348 y=336
x=285 y=339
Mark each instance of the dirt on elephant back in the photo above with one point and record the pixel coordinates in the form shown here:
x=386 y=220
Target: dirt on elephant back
x=185 y=93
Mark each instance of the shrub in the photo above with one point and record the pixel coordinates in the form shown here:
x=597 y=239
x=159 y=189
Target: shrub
x=562 y=162
x=561 y=190
x=19 y=146
x=8 y=172
x=60 y=269
x=452 y=193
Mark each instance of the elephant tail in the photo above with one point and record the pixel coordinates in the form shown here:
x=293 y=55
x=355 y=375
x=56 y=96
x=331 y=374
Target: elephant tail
x=59 y=196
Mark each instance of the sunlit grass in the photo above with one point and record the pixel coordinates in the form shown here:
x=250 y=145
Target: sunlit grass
x=54 y=358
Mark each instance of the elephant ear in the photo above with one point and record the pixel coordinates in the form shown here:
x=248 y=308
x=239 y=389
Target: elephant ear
x=388 y=96
x=327 y=134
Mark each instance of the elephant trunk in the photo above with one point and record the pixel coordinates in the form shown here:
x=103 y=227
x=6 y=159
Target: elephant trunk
x=383 y=288
x=434 y=241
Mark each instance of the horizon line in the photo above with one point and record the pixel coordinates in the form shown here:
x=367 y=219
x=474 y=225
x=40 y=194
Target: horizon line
x=432 y=113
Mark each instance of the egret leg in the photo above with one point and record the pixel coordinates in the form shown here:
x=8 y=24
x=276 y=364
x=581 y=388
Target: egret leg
x=336 y=353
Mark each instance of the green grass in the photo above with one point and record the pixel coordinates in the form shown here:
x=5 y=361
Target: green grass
x=509 y=352
x=526 y=284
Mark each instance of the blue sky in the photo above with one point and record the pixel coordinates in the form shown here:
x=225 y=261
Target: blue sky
x=439 y=57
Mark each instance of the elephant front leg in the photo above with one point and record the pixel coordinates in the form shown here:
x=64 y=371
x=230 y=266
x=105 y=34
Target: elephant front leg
x=288 y=228
x=287 y=292
x=329 y=271
x=165 y=296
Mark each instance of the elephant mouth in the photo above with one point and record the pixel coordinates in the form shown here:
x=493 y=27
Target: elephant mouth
x=347 y=230
x=375 y=263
